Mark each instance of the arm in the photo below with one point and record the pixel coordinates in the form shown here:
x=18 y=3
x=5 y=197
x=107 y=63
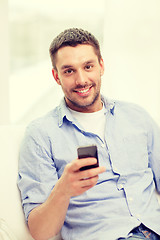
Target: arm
x=154 y=151
x=46 y=220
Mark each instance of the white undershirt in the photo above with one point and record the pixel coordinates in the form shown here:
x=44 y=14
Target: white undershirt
x=92 y=122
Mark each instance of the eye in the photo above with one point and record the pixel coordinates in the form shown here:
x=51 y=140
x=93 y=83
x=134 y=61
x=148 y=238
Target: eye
x=88 y=67
x=68 y=71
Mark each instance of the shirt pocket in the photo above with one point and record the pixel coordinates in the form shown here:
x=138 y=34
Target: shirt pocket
x=136 y=151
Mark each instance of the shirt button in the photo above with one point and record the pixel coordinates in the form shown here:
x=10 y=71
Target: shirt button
x=130 y=199
x=111 y=106
x=103 y=145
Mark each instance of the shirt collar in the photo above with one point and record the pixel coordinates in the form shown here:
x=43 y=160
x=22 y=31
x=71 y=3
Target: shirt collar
x=108 y=104
x=63 y=111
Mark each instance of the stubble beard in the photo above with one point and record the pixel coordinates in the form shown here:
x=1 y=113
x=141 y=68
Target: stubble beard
x=82 y=105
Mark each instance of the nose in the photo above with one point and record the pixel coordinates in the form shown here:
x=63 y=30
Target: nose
x=81 y=78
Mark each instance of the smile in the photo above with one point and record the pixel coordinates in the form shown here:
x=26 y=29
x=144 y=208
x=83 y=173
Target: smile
x=84 y=90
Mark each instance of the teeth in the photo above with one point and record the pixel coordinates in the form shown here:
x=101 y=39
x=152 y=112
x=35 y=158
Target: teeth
x=83 y=91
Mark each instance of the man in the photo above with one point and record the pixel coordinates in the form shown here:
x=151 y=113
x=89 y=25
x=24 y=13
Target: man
x=116 y=200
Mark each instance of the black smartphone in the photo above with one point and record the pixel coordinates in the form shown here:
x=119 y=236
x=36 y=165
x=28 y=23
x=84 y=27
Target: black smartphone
x=88 y=151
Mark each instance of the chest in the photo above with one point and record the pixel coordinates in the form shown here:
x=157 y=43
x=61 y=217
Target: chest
x=123 y=150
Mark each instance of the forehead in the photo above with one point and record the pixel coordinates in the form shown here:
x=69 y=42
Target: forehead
x=80 y=54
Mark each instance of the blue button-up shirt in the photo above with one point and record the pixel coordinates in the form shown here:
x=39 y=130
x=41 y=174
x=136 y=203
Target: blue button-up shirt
x=125 y=194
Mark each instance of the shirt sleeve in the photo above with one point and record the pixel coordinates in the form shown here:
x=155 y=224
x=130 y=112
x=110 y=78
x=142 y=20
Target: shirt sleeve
x=154 y=150
x=37 y=171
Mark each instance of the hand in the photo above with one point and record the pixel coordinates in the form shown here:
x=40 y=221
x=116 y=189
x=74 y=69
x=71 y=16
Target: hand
x=74 y=182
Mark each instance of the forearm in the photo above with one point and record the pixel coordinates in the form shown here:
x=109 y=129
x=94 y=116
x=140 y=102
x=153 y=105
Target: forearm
x=46 y=220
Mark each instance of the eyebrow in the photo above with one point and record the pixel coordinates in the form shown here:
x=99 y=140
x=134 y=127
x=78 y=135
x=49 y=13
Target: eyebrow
x=71 y=66
x=66 y=66
x=90 y=61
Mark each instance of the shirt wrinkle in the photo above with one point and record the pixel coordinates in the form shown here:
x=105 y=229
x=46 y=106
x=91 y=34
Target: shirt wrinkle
x=125 y=194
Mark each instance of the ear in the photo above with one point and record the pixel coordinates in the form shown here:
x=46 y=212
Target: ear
x=102 y=66
x=55 y=75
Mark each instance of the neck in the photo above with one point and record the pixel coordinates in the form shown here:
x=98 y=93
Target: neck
x=95 y=106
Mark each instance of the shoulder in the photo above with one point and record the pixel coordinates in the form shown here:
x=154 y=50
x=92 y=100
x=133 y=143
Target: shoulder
x=129 y=108
x=122 y=105
x=128 y=112
x=134 y=113
x=42 y=126
x=125 y=109
x=128 y=105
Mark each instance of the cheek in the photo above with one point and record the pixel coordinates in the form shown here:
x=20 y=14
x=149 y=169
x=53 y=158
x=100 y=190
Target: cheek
x=66 y=85
x=97 y=78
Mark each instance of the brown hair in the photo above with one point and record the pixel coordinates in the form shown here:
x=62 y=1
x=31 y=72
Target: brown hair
x=73 y=37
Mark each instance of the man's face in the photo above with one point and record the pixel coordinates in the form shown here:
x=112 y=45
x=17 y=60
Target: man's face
x=79 y=74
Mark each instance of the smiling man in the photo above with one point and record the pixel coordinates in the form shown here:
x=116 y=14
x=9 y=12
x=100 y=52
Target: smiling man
x=79 y=75
x=115 y=200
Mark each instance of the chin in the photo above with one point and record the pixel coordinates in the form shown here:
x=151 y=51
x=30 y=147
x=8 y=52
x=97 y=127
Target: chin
x=84 y=104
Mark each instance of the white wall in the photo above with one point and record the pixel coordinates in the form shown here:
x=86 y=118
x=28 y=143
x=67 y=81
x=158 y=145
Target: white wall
x=4 y=63
x=33 y=90
x=132 y=52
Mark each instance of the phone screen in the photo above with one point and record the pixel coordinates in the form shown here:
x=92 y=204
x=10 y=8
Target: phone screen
x=88 y=151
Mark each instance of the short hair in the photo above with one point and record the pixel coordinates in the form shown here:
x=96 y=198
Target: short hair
x=73 y=37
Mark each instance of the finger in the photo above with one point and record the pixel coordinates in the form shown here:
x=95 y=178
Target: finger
x=89 y=182
x=90 y=173
x=82 y=190
x=78 y=163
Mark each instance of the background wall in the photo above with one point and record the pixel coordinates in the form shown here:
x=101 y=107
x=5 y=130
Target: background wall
x=32 y=25
x=128 y=31
x=4 y=64
x=132 y=52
